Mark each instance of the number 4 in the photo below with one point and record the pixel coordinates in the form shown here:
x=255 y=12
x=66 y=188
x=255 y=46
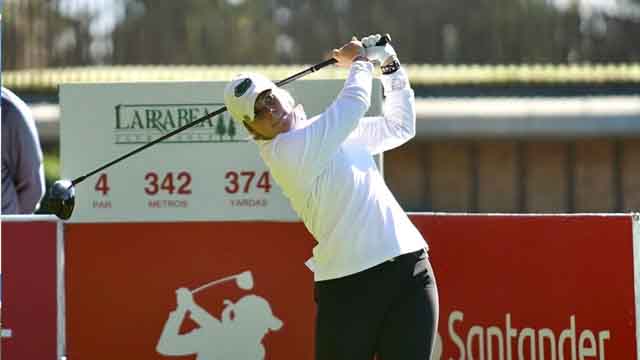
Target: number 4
x=102 y=185
x=263 y=182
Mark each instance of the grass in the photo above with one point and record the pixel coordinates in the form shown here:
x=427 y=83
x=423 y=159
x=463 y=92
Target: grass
x=51 y=168
x=51 y=174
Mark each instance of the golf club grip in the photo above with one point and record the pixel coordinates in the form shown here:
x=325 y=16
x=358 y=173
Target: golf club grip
x=384 y=40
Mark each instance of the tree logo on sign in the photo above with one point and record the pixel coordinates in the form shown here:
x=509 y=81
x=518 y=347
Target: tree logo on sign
x=143 y=123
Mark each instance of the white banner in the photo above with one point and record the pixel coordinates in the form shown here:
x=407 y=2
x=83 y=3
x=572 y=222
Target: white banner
x=209 y=172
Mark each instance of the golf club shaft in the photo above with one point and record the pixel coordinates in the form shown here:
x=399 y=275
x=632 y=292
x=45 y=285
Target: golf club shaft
x=215 y=282
x=384 y=40
x=283 y=82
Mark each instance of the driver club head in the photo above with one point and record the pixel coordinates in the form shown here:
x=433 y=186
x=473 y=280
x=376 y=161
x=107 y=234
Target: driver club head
x=62 y=197
x=245 y=280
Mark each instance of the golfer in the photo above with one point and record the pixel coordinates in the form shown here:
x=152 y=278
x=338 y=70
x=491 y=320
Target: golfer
x=237 y=335
x=374 y=287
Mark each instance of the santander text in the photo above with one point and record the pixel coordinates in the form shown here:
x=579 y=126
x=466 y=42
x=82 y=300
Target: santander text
x=507 y=342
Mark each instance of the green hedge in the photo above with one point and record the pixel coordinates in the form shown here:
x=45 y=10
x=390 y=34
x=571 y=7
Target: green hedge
x=420 y=74
x=51 y=168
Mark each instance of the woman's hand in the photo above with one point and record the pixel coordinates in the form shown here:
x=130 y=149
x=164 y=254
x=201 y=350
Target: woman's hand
x=349 y=52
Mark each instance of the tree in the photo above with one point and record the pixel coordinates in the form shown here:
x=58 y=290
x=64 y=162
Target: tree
x=37 y=34
x=231 y=129
x=194 y=32
x=44 y=33
x=221 y=130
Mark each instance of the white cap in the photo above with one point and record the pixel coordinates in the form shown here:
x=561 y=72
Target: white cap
x=240 y=95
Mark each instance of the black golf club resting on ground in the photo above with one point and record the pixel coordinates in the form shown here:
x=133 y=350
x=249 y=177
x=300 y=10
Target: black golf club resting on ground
x=62 y=194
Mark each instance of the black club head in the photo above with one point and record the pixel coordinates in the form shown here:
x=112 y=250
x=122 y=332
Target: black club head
x=62 y=197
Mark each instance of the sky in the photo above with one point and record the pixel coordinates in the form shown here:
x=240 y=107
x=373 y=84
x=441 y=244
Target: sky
x=600 y=4
x=615 y=7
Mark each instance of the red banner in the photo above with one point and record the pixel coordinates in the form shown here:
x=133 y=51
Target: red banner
x=29 y=288
x=534 y=287
x=511 y=287
x=256 y=293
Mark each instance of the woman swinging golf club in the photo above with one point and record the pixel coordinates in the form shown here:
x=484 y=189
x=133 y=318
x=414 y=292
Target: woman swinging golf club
x=62 y=195
x=238 y=334
x=375 y=289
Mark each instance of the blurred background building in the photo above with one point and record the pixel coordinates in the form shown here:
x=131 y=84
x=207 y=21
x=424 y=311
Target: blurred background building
x=523 y=106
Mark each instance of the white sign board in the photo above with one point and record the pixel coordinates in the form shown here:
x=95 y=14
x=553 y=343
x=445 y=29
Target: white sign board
x=208 y=172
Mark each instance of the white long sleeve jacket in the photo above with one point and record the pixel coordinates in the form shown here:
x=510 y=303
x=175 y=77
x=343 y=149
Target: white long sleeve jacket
x=326 y=169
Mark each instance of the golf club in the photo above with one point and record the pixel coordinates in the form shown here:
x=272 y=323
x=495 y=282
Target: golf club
x=244 y=281
x=61 y=199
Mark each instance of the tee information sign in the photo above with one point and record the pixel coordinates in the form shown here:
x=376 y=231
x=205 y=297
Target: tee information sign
x=211 y=171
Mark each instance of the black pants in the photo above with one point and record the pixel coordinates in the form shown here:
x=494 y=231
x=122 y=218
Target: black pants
x=390 y=311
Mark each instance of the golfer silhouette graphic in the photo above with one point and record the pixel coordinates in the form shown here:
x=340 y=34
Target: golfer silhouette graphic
x=237 y=335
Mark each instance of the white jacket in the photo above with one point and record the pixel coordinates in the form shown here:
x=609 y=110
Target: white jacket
x=326 y=169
